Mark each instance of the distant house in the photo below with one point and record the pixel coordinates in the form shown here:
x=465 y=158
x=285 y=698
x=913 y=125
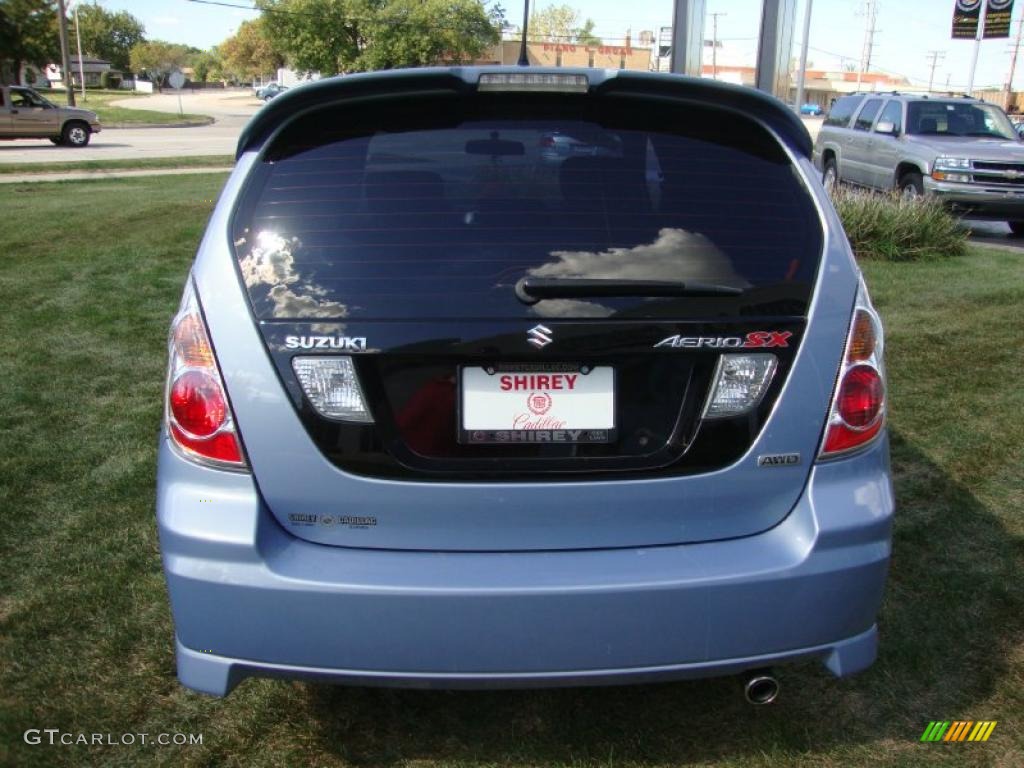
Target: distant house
x=289 y=77
x=33 y=76
x=92 y=67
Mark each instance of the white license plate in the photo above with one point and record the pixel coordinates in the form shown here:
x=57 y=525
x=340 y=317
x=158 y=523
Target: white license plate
x=560 y=404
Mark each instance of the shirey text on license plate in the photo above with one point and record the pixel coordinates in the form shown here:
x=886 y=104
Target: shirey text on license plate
x=557 y=404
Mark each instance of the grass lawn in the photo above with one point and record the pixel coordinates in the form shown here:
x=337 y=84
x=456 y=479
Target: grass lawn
x=185 y=161
x=85 y=631
x=99 y=102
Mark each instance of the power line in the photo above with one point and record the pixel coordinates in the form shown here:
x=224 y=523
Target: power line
x=1013 y=61
x=871 y=17
x=714 y=42
x=934 y=57
x=384 y=20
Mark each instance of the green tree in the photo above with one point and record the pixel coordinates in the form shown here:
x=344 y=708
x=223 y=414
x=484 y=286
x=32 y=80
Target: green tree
x=416 y=33
x=109 y=35
x=156 y=59
x=561 y=24
x=554 y=24
x=249 y=52
x=28 y=35
x=332 y=36
x=205 y=65
x=585 y=35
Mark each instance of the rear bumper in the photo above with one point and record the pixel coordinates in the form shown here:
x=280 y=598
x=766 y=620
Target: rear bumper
x=217 y=675
x=250 y=599
x=978 y=200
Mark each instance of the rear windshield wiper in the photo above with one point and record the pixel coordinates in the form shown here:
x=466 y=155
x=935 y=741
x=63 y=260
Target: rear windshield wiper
x=530 y=290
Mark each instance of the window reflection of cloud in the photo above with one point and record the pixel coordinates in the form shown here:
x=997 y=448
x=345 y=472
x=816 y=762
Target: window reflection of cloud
x=676 y=254
x=570 y=308
x=271 y=262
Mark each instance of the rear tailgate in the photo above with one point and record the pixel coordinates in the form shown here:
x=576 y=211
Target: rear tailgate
x=396 y=233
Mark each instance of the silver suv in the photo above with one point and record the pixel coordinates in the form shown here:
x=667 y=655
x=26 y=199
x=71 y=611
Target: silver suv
x=962 y=150
x=24 y=114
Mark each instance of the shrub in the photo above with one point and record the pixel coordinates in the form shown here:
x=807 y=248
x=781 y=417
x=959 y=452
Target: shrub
x=894 y=228
x=111 y=79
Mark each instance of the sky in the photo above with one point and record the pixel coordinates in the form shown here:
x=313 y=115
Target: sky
x=906 y=30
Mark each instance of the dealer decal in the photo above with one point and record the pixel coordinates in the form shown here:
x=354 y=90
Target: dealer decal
x=753 y=340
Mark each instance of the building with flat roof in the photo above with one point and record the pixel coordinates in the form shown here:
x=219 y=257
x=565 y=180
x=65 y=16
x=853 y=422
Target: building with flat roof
x=548 y=54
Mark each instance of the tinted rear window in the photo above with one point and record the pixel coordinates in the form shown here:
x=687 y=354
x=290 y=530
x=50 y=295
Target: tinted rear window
x=867 y=115
x=843 y=110
x=437 y=210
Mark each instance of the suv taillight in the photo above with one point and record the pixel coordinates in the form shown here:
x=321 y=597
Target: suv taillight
x=857 y=414
x=198 y=414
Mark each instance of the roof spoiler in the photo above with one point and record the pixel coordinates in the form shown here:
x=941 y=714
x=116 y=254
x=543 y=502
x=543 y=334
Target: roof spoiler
x=332 y=90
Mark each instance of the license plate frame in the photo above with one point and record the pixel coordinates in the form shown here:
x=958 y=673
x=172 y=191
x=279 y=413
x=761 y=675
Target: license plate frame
x=545 y=434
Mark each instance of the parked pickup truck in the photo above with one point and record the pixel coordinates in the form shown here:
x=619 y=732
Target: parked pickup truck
x=961 y=150
x=24 y=114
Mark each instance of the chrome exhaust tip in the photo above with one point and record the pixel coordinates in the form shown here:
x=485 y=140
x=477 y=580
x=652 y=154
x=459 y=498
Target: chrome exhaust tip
x=760 y=686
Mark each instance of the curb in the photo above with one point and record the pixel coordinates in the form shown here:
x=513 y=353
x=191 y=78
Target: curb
x=123 y=173
x=999 y=246
x=118 y=126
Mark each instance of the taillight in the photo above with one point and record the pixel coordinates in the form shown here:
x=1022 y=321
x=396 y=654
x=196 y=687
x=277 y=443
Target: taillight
x=857 y=413
x=198 y=415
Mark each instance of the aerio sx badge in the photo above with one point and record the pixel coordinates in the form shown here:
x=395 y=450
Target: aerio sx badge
x=753 y=340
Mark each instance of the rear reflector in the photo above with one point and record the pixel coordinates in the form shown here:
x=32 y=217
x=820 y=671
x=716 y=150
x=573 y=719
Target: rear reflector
x=860 y=397
x=197 y=403
x=331 y=386
x=198 y=416
x=533 y=81
x=740 y=383
x=857 y=414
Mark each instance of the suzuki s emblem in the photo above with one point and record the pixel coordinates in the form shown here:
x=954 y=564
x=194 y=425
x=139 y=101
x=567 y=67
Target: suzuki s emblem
x=539 y=336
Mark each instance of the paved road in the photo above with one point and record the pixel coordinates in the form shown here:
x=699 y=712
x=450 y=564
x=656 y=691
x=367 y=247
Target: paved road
x=230 y=109
x=994 y=233
x=812 y=124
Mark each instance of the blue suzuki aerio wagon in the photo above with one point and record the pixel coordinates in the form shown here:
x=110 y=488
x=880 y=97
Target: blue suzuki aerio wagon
x=504 y=377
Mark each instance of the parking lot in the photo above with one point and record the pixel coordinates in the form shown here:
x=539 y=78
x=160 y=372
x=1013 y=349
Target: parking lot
x=86 y=625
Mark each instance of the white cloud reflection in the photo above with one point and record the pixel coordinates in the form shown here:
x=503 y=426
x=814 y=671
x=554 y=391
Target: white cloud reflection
x=271 y=262
x=676 y=254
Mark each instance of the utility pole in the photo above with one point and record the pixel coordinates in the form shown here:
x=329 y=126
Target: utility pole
x=81 y=66
x=934 y=57
x=871 y=16
x=65 y=60
x=982 y=13
x=802 y=74
x=714 y=42
x=1013 y=64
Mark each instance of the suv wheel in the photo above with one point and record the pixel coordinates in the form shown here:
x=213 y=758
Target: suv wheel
x=911 y=185
x=830 y=178
x=75 y=134
x=1017 y=227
